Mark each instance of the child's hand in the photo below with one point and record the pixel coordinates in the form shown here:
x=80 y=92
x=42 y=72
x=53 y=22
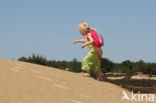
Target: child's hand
x=75 y=42
x=83 y=46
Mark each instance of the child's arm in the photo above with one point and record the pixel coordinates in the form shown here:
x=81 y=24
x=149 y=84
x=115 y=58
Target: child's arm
x=91 y=40
x=81 y=41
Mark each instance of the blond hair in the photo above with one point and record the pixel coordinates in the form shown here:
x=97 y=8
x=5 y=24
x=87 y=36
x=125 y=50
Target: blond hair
x=85 y=26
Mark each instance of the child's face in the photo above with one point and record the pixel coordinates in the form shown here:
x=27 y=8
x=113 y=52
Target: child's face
x=83 y=32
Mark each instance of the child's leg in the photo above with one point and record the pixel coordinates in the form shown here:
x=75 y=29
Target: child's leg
x=99 y=77
x=98 y=67
x=97 y=70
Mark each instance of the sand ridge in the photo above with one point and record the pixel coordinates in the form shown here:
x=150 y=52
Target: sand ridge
x=22 y=82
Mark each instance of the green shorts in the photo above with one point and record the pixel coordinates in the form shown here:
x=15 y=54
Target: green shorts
x=91 y=61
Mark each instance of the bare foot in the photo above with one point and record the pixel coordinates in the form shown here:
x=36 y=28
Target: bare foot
x=86 y=74
x=99 y=79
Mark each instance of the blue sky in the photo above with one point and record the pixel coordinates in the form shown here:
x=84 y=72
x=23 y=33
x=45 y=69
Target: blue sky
x=49 y=27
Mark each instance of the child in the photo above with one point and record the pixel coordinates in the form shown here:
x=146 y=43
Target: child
x=90 y=61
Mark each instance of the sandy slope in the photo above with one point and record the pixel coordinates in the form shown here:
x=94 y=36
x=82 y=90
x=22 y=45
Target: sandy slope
x=22 y=82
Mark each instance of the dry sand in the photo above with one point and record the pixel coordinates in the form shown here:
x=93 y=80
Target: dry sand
x=22 y=82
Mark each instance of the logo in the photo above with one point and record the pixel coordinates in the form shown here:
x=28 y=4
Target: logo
x=138 y=97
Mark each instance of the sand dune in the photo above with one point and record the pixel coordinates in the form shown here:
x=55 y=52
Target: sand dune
x=22 y=82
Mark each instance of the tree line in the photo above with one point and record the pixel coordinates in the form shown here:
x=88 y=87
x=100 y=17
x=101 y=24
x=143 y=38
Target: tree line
x=126 y=66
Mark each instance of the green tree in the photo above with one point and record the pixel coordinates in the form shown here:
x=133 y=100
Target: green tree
x=75 y=66
x=108 y=65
